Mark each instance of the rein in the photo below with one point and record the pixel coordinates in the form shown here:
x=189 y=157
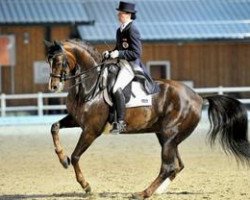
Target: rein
x=81 y=74
x=85 y=73
x=66 y=77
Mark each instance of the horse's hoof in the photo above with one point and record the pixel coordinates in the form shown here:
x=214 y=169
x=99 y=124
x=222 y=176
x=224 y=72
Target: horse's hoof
x=55 y=127
x=87 y=195
x=87 y=189
x=66 y=162
x=137 y=196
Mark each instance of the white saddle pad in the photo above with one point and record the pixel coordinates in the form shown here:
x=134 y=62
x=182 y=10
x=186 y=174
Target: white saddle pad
x=140 y=97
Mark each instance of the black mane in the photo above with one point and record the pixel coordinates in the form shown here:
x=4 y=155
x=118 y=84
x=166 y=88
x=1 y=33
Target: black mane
x=54 y=49
x=88 y=47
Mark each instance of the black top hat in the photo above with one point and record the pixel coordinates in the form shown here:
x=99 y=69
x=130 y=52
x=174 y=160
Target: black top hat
x=126 y=7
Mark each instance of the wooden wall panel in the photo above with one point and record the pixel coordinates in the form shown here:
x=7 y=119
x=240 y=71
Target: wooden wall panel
x=60 y=33
x=207 y=64
x=243 y=68
x=26 y=54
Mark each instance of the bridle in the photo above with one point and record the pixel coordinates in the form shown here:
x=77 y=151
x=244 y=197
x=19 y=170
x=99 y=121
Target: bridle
x=67 y=76
x=80 y=76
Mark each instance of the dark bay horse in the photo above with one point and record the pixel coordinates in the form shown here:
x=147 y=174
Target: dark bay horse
x=173 y=116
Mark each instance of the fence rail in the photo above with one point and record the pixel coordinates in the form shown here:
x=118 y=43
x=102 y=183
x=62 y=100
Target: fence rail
x=40 y=107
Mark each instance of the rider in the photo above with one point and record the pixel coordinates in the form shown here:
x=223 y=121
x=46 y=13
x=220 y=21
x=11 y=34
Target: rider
x=128 y=51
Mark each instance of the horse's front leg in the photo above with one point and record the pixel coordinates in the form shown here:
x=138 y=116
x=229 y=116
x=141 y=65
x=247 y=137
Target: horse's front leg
x=85 y=140
x=66 y=122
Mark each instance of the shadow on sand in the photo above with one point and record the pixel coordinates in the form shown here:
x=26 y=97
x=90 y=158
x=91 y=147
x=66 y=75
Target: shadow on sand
x=42 y=196
x=91 y=196
x=68 y=196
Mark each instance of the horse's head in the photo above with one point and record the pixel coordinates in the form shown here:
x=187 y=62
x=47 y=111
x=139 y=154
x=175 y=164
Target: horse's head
x=61 y=63
x=73 y=60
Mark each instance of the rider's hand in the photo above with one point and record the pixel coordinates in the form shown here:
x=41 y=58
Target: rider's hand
x=114 y=54
x=105 y=54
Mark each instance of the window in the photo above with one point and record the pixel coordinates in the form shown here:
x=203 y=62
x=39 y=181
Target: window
x=159 y=69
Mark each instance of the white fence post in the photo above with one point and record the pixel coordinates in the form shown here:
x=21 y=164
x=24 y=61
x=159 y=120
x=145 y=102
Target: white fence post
x=220 y=90
x=40 y=104
x=3 y=105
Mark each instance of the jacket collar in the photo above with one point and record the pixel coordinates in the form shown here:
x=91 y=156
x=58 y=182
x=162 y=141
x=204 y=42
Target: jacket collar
x=127 y=26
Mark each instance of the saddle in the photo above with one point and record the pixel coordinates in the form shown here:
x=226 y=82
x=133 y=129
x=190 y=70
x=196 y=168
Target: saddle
x=137 y=93
x=148 y=84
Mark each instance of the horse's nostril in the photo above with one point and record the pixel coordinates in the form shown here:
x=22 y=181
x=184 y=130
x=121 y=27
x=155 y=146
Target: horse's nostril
x=54 y=87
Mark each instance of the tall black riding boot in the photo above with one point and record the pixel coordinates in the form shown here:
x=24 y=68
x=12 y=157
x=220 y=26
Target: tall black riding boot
x=119 y=100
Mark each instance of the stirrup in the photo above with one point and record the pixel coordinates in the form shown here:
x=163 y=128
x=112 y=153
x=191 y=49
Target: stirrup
x=118 y=127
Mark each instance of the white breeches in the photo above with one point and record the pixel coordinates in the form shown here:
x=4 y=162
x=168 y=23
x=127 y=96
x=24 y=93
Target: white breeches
x=125 y=75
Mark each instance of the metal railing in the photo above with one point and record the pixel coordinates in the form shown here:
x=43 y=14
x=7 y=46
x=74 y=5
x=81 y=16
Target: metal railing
x=40 y=107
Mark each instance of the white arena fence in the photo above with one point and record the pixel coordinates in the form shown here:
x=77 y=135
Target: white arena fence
x=40 y=108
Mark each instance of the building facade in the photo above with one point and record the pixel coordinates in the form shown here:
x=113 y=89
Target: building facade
x=207 y=47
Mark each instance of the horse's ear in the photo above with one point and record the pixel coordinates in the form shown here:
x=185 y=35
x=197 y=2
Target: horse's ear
x=48 y=44
x=58 y=45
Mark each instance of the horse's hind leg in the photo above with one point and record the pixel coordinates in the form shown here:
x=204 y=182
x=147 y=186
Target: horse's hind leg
x=66 y=122
x=178 y=167
x=168 y=166
x=179 y=164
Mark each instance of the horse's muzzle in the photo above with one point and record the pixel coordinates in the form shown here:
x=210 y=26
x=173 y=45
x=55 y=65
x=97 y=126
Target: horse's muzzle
x=55 y=85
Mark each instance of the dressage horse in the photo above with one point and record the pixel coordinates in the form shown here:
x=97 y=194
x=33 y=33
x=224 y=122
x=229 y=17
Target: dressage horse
x=174 y=114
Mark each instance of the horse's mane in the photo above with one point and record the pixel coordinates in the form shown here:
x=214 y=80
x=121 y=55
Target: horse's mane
x=86 y=46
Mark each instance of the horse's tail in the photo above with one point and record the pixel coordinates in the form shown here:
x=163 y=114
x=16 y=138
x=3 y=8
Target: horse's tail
x=228 y=120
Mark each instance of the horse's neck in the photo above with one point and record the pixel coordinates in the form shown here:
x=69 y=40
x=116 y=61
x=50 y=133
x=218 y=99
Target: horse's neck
x=88 y=83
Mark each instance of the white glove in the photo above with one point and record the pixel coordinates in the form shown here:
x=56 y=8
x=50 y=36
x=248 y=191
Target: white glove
x=114 y=54
x=105 y=54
